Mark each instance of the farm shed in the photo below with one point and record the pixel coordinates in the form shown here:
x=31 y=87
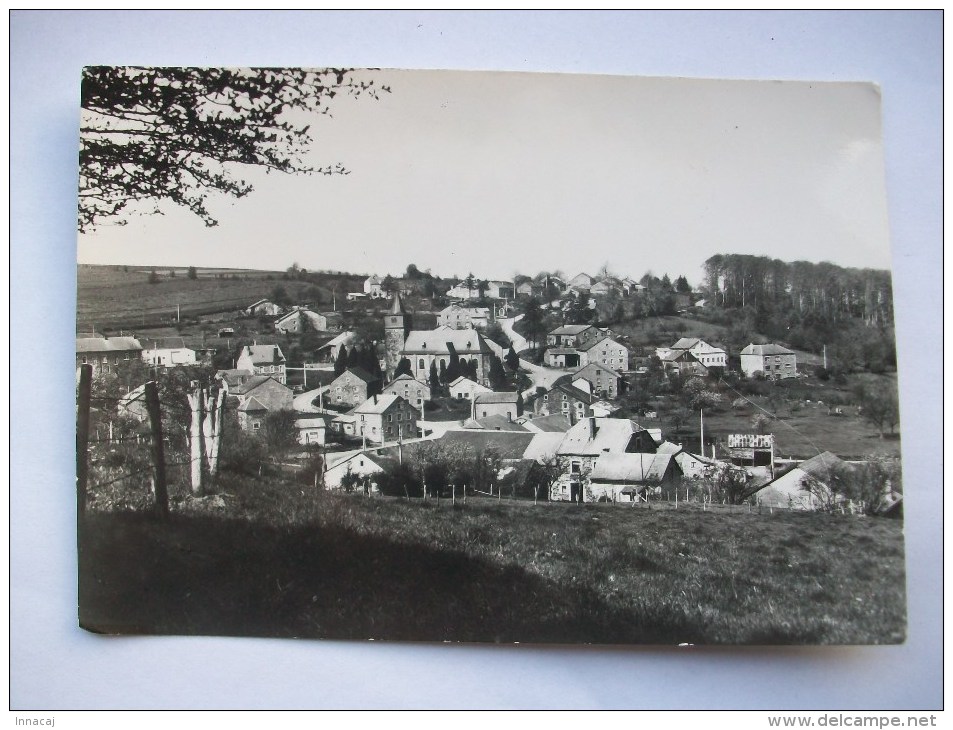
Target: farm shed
x=792 y=490
x=623 y=477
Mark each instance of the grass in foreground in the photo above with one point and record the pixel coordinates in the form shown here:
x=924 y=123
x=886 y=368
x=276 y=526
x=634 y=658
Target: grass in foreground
x=278 y=562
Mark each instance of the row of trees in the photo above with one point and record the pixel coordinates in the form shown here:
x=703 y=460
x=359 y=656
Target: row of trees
x=358 y=357
x=834 y=292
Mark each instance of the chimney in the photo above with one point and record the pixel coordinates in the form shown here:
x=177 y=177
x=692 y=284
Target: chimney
x=592 y=427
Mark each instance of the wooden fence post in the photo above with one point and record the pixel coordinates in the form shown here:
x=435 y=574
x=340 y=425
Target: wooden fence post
x=212 y=429
x=82 y=437
x=158 y=448
x=196 y=437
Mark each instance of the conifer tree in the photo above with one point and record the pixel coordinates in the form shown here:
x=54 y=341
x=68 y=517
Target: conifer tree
x=403 y=368
x=340 y=363
x=497 y=374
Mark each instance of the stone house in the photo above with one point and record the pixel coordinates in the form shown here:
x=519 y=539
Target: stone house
x=352 y=387
x=589 y=440
x=606 y=352
x=263 y=360
x=773 y=361
x=565 y=399
x=258 y=396
x=411 y=390
x=572 y=335
x=106 y=353
x=300 y=318
x=604 y=382
x=383 y=418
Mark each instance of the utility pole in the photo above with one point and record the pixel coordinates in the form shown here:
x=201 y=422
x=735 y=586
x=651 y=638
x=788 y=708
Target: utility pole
x=701 y=417
x=158 y=448
x=82 y=436
x=825 y=357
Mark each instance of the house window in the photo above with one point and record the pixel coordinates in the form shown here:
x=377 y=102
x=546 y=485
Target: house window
x=256 y=425
x=546 y=397
x=84 y=361
x=420 y=365
x=390 y=417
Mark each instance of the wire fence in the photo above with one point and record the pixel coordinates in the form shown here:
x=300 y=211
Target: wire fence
x=133 y=452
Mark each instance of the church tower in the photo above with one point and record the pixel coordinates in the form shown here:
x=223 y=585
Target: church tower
x=396 y=327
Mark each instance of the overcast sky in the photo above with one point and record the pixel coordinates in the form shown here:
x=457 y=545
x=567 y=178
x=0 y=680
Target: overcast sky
x=498 y=173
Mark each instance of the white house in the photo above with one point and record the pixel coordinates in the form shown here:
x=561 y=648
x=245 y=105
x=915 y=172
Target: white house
x=263 y=307
x=357 y=463
x=372 y=287
x=465 y=388
x=626 y=477
x=800 y=487
x=263 y=360
x=459 y=317
x=312 y=429
x=460 y=291
x=707 y=355
x=169 y=357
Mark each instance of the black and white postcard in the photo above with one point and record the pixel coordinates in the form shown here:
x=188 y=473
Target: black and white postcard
x=485 y=357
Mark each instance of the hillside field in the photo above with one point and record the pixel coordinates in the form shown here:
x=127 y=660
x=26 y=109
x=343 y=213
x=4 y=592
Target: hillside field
x=278 y=559
x=112 y=296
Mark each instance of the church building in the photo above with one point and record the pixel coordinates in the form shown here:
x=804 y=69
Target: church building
x=423 y=347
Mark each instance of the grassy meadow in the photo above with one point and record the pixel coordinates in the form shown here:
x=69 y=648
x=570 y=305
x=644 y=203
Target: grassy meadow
x=122 y=296
x=267 y=558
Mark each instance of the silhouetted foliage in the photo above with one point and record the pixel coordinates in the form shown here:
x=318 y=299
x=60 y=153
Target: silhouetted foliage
x=176 y=134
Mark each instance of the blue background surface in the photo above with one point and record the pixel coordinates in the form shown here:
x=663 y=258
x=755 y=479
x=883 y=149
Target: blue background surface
x=55 y=665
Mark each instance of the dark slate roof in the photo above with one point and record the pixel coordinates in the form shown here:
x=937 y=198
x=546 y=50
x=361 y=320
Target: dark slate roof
x=553 y=423
x=250 y=384
x=361 y=373
x=107 y=344
x=570 y=329
x=574 y=392
x=494 y=423
x=264 y=354
x=502 y=397
x=586 y=346
x=770 y=349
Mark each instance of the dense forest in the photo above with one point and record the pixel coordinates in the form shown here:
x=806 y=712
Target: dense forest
x=809 y=306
